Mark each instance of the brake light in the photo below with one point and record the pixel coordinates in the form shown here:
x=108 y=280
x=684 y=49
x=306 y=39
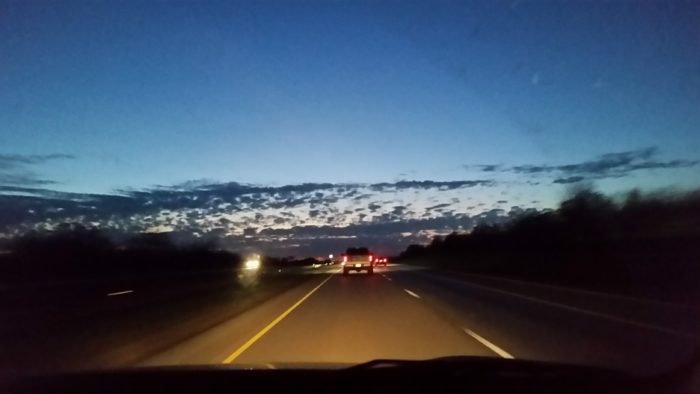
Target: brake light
x=345 y=259
x=370 y=258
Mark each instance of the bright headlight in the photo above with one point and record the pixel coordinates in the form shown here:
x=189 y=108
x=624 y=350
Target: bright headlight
x=252 y=264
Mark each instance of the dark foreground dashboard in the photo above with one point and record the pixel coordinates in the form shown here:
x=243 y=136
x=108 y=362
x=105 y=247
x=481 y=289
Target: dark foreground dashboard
x=460 y=375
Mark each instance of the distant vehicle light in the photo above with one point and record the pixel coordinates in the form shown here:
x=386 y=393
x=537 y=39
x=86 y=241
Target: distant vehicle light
x=252 y=264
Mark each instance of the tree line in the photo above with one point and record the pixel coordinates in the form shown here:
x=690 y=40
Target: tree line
x=639 y=243
x=72 y=249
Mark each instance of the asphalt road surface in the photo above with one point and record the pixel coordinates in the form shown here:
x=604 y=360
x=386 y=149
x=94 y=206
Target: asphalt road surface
x=403 y=312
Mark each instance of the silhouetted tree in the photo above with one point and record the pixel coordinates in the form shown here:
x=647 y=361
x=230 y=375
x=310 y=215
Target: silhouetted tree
x=589 y=240
x=150 y=241
x=587 y=215
x=68 y=240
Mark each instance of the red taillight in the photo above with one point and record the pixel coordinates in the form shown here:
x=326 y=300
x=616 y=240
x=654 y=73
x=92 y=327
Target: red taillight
x=370 y=258
x=345 y=259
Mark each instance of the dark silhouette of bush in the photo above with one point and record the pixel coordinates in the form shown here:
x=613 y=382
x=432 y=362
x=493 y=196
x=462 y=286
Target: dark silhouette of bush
x=66 y=241
x=73 y=250
x=150 y=241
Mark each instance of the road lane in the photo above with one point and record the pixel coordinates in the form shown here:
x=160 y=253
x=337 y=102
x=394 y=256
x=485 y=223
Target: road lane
x=232 y=357
x=217 y=343
x=357 y=318
x=407 y=313
x=349 y=319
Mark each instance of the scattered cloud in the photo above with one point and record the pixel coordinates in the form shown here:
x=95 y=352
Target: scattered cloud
x=236 y=213
x=26 y=178
x=437 y=207
x=308 y=217
x=17 y=170
x=609 y=165
x=484 y=167
x=445 y=185
x=571 y=179
x=14 y=160
x=399 y=210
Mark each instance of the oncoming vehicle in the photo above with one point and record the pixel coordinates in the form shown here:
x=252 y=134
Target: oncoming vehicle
x=357 y=259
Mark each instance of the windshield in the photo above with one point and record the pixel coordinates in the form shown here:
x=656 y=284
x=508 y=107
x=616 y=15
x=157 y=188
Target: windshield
x=285 y=183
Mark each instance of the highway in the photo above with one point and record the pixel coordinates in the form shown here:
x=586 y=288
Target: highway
x=404 y=312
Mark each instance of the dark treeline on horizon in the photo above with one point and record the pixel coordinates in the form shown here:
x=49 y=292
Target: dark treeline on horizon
x=73 y=250
x=644 y=243
x=647 y=243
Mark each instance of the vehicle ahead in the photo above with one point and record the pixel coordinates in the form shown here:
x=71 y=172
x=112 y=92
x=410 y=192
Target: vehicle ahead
x=381 y=261
x=358 y=259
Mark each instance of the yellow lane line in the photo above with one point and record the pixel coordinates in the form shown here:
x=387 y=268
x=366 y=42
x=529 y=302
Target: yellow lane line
x=267 y=328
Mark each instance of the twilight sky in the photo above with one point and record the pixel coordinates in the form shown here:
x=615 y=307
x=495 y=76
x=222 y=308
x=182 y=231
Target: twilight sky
x=385 y=121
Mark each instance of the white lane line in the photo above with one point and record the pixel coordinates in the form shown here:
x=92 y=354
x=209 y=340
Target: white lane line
x=411 y=293
x=388 y=278
x=116 y=293
x=488 y=344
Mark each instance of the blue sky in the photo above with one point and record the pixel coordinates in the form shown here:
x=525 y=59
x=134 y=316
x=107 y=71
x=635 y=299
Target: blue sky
x=281 y=93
